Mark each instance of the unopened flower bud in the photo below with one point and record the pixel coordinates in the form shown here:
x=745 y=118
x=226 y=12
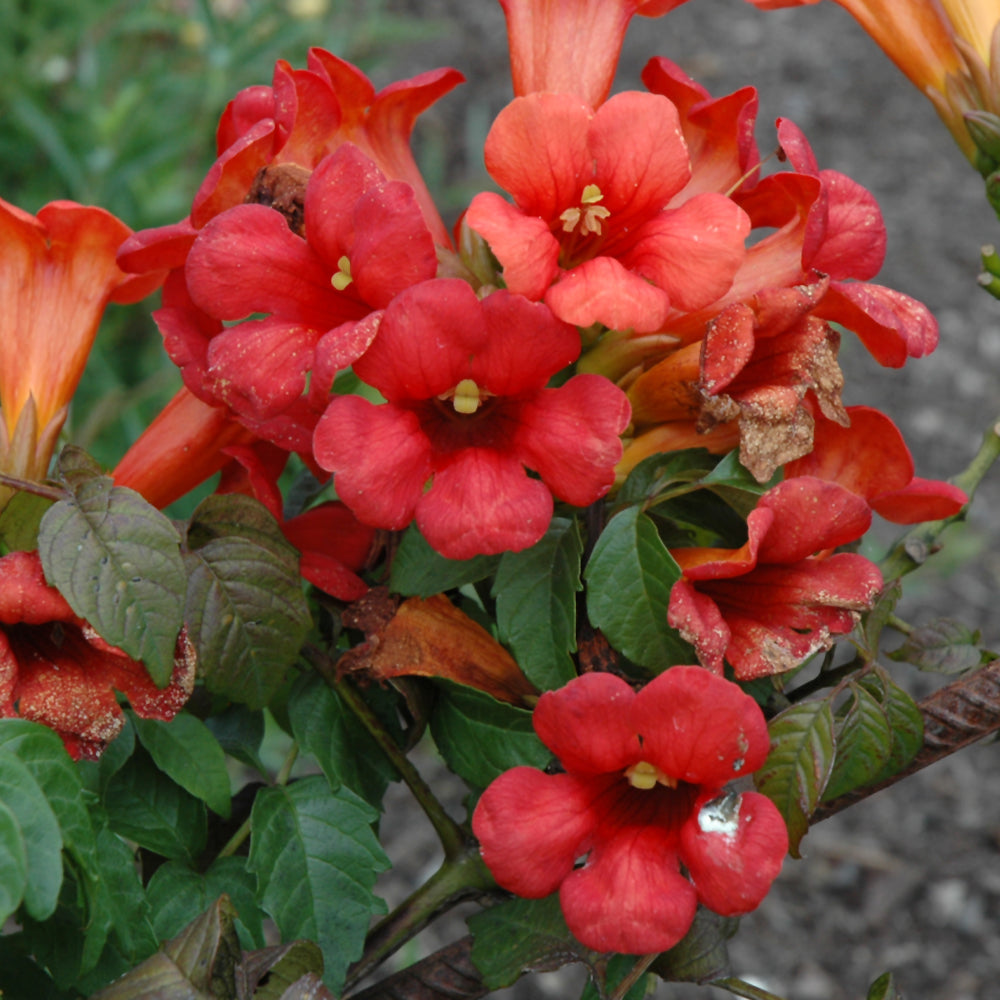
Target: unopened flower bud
x=984 y=127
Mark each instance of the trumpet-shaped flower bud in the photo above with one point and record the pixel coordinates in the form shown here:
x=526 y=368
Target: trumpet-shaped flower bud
x=57 y=275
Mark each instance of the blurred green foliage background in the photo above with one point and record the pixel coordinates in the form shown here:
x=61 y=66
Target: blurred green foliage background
x=115 y=103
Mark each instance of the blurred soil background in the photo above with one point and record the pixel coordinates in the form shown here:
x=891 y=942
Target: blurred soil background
x=115 y=103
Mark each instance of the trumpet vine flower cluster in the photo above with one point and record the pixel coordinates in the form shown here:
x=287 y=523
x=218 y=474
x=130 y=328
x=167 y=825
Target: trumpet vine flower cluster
x=636 y=287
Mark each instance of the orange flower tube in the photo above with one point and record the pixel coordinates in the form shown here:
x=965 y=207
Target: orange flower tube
x=943 y=47
x=57 y=275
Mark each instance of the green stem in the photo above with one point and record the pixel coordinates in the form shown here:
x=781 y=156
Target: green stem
x=453 y=840
x=457 y=879
x=233 y=844
x=912 y=550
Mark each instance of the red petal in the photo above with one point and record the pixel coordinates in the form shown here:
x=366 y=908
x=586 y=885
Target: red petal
x=630 y=896
x=603 y=290
x=570 y=437
x=921 y=500
x=259 y=367
x=525 y=345
x=227 y=182
x=810 y=515
x=425 y=341
x=523 y=244
x=247 y=260
x=891 y=325
x=692 y=252
x=700 y=622
x=640 y=157
x=586 y=724
x=700 y=728
x=537 y=151
x=868 y=457
x=380 y=456
x=483 y=502
x=532 y=826
x=855 y=238
x=733 y=849
x=25 y=597
x=719 y=132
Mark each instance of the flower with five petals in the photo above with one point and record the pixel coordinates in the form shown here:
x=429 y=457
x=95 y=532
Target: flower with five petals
x=467 y=412
x=595 y=229
x=642 y=794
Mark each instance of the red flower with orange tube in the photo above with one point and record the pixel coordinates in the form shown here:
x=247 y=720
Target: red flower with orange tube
x=767 y=606
x=467 y=413
x=597 y=229
x=642 y=794
x=57 y=275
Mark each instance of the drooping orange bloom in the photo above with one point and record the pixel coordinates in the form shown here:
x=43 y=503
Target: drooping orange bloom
x=943 y=46
x=57 y=275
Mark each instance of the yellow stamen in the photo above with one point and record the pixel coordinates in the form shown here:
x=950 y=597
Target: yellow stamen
x=589 y=215
x=645 y=776
x=468 y=396
x=342 y=278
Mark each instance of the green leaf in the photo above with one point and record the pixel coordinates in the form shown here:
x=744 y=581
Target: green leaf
x=480 y=737
x=116 y=559
x=615 y=970
x=289 y=972
x=535 y=593
x=521 y=935
x=145 y=806
x=245 y=609
x=874 y=621
x=316 y=859
x=20 y=521
x=629 y=578
x=906 y=722
x=863 y=743
x=884 y=988
x=734 y=484
x=420 y=571
x=126 y=907
x=23 y=796
x=86 y=946
x=943 y=646
x=702 y=953
x=798 y=767
x=653 y=475
x=43 y=753
x=13 y=863
x=325 y=727
x=240 y=732
x=177 y=895
x=199 y=964
x=186 y=751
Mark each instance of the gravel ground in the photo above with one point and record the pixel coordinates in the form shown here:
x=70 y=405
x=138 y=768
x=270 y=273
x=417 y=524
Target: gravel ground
x=908 y=880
